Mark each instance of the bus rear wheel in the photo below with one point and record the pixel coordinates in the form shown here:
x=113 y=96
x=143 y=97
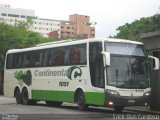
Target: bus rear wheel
x=81 y=101
x=18 y=96
x=25 y=97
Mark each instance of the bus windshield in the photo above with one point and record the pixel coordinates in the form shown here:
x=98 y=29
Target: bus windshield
x=129 y=66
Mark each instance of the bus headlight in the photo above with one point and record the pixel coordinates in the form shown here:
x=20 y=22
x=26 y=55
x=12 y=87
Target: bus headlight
x=112 y=92
x=147 y=93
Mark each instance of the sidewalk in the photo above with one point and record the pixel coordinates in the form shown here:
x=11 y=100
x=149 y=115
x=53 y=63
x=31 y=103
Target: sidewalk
x=142 y=109
x=6 y=100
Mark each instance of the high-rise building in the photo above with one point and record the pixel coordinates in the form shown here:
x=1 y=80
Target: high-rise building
x=43 y=26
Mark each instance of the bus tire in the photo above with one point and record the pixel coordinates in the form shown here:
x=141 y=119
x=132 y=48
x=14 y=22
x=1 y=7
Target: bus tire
x=25 y=96
x=18 y=96
x=118 y=108
x=81 y=101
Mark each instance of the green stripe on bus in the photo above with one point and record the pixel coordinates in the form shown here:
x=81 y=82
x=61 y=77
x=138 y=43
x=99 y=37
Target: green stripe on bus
x=67 y=96
x=95 y=98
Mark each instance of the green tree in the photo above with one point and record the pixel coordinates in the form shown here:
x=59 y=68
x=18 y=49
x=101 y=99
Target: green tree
x=135 y=29
x=24 y=24
x=16 y=37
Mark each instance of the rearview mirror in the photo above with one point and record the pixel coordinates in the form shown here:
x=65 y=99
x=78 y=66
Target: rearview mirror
x=156 y=60
x=107 y=58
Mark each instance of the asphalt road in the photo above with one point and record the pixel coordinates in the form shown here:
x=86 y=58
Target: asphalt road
x=9 y=110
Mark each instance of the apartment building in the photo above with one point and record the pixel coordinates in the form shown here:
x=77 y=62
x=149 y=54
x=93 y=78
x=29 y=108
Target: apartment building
x=43 y=26
x=68 y=29
x=78 y=26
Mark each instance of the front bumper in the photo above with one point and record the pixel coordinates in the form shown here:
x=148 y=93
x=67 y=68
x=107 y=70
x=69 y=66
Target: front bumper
x=117 y=100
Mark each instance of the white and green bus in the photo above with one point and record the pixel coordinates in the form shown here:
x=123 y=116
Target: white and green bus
x=96 y=72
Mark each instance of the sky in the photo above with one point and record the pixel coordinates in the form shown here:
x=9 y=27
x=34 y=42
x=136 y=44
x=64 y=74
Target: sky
x=108 y=14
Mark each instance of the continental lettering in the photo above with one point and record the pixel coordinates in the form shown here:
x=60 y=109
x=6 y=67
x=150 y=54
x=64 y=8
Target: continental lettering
x=49 y=72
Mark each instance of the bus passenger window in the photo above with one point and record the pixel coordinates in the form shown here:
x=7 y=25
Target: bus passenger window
x=67 y=56
x=9 y=61
x=37 y=59
x=20 y=60
x=47 y=58
x=75 y=56
x=60 y=57
x=83 y=57
x=26 y=62
x=17 y=61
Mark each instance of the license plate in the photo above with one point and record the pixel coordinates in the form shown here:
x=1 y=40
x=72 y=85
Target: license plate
x=131 y=101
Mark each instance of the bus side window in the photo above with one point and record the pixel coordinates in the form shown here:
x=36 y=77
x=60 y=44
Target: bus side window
x=60 y=56
x=67 y=56
x=96 y=65
x=17 y=60
x=36 y=59
x=47 y=57
x=78 y=54
x=75 y=55
x=9 y=61
x=83 y=57
x=26 y=60
x=20 y=61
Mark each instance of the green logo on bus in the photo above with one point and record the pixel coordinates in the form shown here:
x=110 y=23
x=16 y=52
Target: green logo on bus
x=74 y=72
x=26 y=77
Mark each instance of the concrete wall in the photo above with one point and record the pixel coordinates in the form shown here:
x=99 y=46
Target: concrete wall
x=152 y=44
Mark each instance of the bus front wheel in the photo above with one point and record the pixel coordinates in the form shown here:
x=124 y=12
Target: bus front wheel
x=81 y=101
